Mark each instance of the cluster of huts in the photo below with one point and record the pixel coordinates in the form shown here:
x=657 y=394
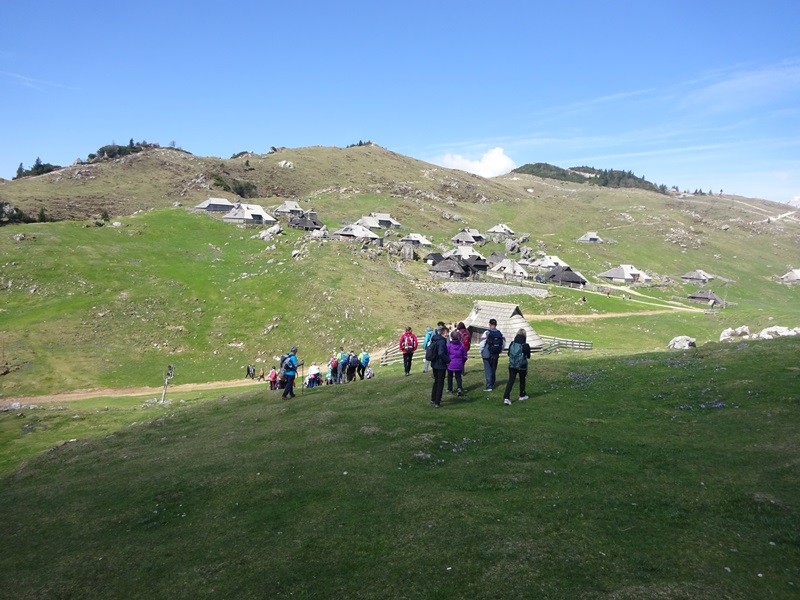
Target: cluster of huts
x=242 y=213
x=463 y=261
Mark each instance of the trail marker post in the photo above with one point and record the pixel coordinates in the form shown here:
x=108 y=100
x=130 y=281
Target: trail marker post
x=169 y=376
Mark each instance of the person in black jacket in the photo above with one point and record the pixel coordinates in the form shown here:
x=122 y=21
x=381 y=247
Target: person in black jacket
x=440 y=358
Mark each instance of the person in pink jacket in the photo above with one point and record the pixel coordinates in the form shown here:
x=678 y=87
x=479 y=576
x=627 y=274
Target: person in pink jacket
x=458 y=356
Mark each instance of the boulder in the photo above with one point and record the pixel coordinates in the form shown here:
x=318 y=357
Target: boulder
x=682 y=342
x=774 y=332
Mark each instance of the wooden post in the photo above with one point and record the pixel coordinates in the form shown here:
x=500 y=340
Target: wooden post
x=170 y=375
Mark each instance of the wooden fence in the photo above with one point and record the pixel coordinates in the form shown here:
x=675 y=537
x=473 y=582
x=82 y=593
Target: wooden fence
x=553 y=344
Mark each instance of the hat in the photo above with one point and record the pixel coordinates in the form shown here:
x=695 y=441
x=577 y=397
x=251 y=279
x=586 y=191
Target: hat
x=492 y=321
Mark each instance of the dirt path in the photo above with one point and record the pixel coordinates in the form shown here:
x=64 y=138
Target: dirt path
x=120 y=392
x=592 y=316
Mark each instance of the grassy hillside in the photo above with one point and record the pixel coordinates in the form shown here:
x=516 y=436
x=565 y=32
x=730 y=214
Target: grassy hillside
x=160 y=177
x=84 y=307
x=662 y=475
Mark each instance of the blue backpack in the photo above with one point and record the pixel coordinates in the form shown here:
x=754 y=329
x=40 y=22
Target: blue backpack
x=516 y=357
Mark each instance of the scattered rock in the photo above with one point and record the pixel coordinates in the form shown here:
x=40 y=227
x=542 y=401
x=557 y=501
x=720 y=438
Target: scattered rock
x=682 y=342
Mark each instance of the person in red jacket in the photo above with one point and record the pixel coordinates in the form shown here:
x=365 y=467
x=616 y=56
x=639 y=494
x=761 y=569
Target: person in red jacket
x=408 y=345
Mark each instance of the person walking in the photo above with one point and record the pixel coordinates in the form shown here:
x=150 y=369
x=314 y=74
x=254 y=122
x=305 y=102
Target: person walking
x=290 y=372
x=492 y=345
x=439 y=358
x=363 y=363
x=408 y=345
x=341 y=365
x=425 y=341
x=518 y=354
x=466 y=340
x=352 y=365
x=458 y=355
x=273 y=379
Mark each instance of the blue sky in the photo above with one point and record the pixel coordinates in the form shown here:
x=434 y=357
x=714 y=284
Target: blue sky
x=697 y=94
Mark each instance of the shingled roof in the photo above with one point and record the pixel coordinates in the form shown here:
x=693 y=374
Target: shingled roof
x=509 y=320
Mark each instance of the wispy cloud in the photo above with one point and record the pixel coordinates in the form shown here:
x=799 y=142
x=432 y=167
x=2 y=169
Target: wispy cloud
x=30 y=81
x=747 y=89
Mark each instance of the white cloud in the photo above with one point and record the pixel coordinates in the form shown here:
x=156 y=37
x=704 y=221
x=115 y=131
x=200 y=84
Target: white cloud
x=492 y=163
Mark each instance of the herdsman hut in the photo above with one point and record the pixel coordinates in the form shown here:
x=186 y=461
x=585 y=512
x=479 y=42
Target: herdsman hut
x=509 y=320
x=215 y=205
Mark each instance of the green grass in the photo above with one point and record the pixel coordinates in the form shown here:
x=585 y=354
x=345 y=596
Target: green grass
x=659 y=475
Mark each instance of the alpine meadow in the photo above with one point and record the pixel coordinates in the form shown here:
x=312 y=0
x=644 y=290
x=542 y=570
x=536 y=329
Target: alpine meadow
x=633 y=471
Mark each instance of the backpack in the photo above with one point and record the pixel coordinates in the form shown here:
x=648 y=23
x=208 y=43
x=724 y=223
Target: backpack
x=431 y=351
x=516 y=357
x=344 y=360
x=282 y=362
x=408 y=342
x=364 y=359
x=334 y=363
x=494 y=342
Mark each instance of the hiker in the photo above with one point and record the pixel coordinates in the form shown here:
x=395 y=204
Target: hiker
x=425 y=341
x=329 y=375
x=352 y=365
x=466 y=340
x=439 y=358
x=314 y=377
x=518 y=354
x=340 y=365
x=273 y=379
x=369 y=373
x=289 y=368
x=333 y=365
x=363 y=363
x=408 y=345
x=261 y=376
x=492 y=345
x=458 y=355
x=251 y=372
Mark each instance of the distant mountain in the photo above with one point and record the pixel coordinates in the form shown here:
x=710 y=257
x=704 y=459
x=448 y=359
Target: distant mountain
x=602 y=177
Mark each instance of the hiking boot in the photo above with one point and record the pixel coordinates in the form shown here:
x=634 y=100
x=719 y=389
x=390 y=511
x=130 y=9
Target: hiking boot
x=460 y=392
x=488 y=389
x=507 y=402
x=524 y=397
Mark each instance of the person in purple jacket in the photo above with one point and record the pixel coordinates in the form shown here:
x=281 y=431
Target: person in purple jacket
x=458 y=356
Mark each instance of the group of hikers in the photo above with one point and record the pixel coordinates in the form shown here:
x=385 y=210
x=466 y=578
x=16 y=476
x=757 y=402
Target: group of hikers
x=446 y=352
x=342 y=367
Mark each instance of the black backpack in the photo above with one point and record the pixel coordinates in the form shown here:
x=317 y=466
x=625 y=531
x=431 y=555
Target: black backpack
x=494 y=342
x=432 y=350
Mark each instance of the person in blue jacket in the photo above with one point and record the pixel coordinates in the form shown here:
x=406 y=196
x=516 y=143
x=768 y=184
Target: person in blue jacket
x=290 y=372
x=426 y=340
